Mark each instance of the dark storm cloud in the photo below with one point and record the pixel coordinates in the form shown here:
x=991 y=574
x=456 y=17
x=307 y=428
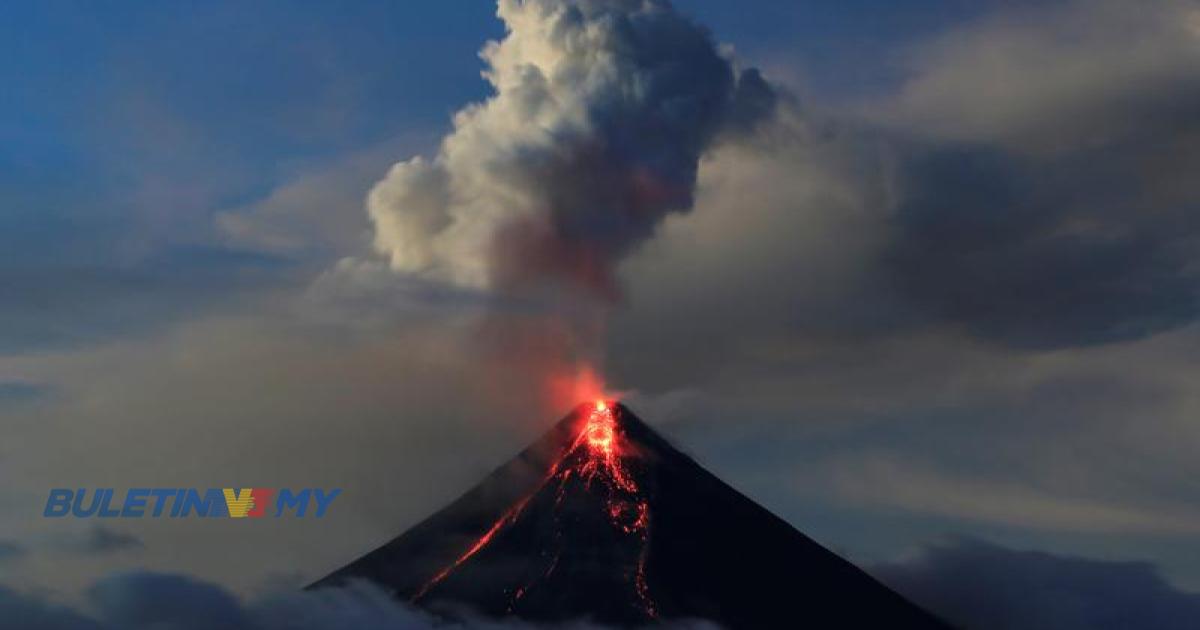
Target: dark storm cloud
x=153 y=600
x=1083 y=232
x=1046 y=252
x=1051 y=199
x=25 y=612
x=983 y=586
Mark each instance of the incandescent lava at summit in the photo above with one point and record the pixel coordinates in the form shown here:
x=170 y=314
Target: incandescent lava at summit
x=603 y=519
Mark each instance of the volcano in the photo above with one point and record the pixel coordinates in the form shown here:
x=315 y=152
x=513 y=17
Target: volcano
x=603 y=519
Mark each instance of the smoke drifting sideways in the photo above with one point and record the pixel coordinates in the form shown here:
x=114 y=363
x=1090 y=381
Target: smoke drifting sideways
x=601 y=113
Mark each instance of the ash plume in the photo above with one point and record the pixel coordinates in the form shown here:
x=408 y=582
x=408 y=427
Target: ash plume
x=602 y=110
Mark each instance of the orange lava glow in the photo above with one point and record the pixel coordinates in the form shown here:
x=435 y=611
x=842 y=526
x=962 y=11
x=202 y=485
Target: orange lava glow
x=596 y=457
x=600 y=435
x=480 y=543
x=601 y=429
x=569 y=384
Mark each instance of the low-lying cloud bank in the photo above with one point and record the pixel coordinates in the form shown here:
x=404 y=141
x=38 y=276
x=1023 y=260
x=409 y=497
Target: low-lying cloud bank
x=163 y=601
x=175 y=602
x=983 y=586
x=971 y=583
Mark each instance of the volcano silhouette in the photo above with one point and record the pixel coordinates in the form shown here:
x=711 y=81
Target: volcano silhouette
x=603 y=519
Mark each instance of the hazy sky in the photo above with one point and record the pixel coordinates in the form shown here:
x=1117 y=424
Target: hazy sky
x=947 y=288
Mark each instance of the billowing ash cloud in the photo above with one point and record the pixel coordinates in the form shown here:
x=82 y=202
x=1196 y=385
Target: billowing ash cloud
x=602 y=111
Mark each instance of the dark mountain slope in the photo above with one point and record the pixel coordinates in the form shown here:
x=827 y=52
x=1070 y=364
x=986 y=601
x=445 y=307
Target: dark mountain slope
x=602 y=518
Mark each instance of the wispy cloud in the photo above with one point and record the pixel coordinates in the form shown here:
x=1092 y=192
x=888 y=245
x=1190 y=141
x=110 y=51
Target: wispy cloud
x=100 y=539
x=11 y=550
x=891 y=482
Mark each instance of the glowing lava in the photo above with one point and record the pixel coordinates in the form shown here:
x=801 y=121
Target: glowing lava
x=596 y=457
x=601 y=429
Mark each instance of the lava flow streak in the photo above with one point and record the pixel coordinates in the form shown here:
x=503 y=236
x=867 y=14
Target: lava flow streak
x=509 y=516
x=594 y=457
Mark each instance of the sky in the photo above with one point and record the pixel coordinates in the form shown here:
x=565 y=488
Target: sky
x=935 y=305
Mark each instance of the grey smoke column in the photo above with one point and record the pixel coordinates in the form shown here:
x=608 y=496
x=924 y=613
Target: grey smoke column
x=601 y=113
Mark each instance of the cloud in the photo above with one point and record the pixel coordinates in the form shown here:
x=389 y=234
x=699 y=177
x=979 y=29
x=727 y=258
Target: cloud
x=17 y=392
x=54 y=307
x=982 y=586
x=971 y=583
x=26 y=612
x=1001 y=289
x=886 y=481
x=1046 y=254
x=152 y=600
x=317 y=214
x=1014 y=187
x=11 y=550
x=601 y=113
x=101 y=539
x=1045 y=188
x=1049 y=76
x=879 y=227
x=144 y=600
